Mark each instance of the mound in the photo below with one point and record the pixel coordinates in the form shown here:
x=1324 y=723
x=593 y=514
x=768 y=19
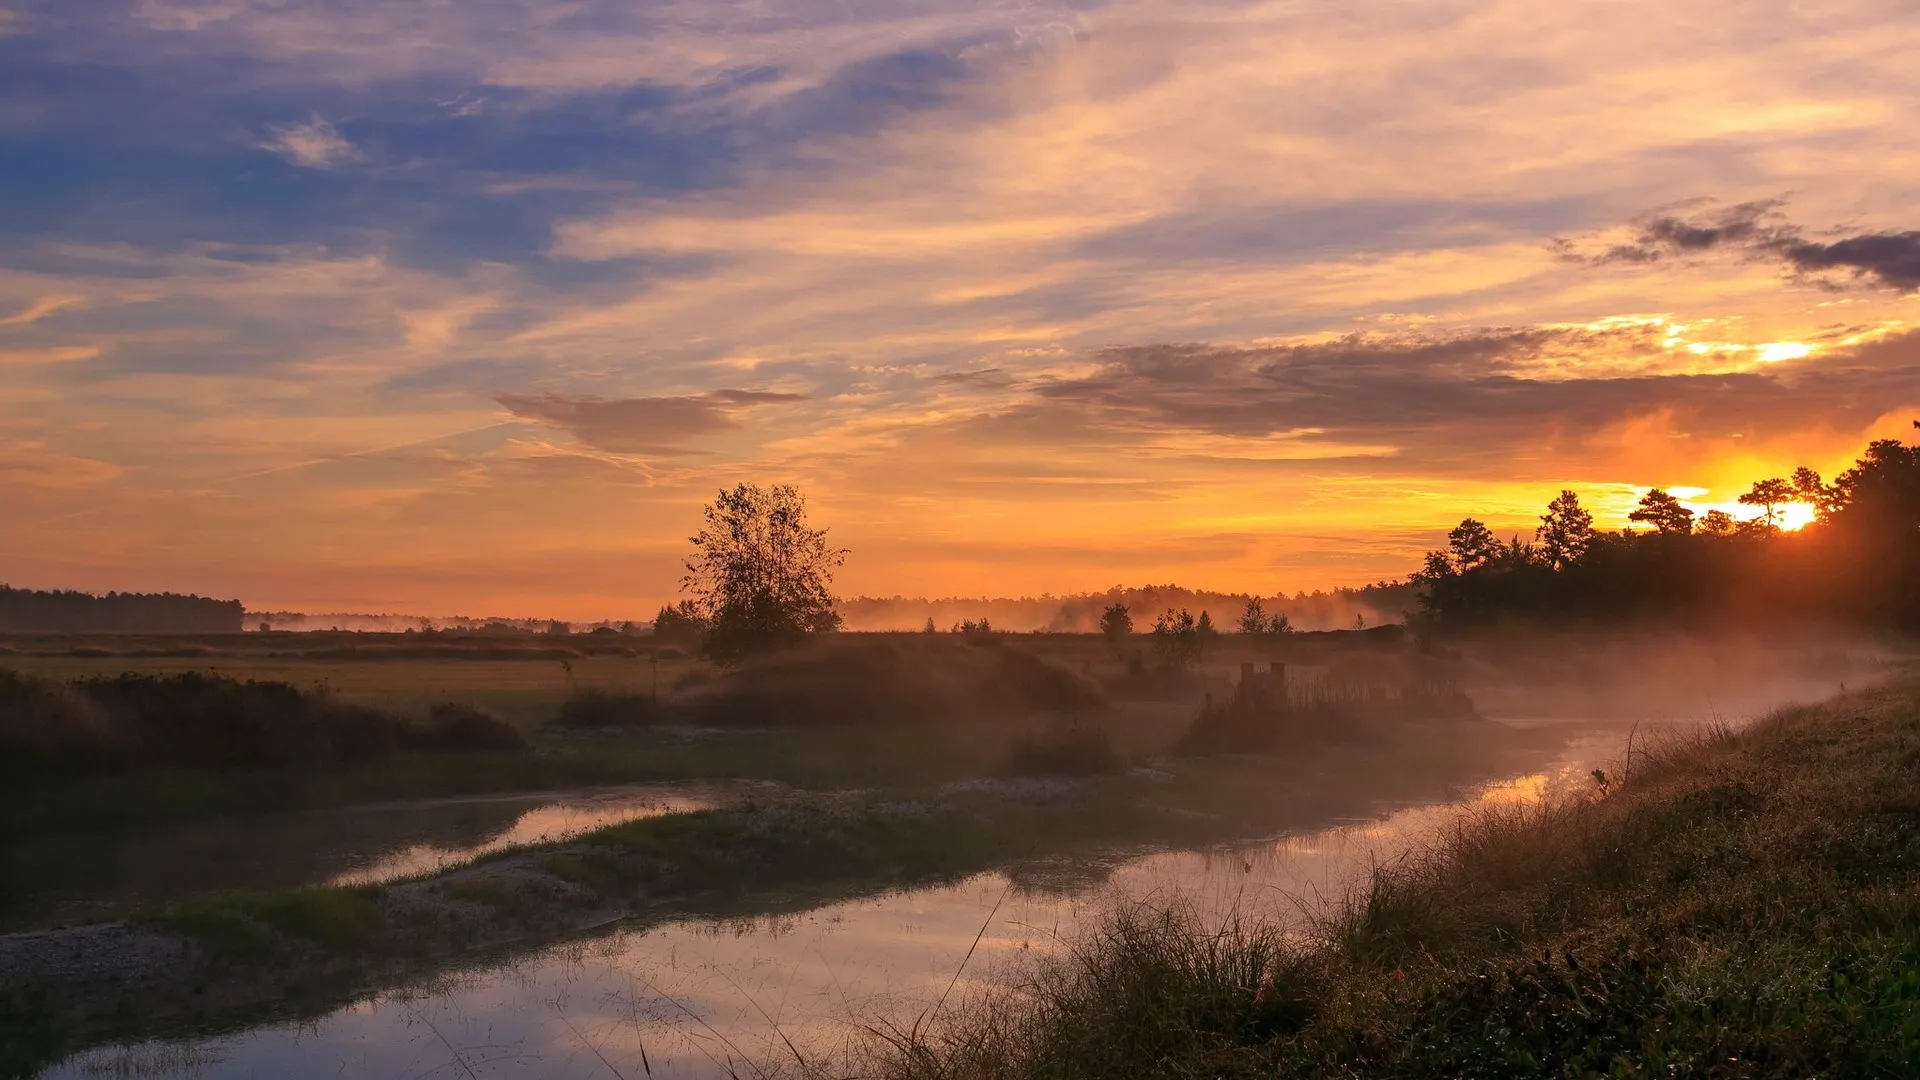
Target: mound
x=133 y=723
x=848 y=680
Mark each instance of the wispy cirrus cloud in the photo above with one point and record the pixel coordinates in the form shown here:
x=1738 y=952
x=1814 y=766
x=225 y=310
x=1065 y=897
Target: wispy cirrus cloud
x=646 y=425
x=1155 y=261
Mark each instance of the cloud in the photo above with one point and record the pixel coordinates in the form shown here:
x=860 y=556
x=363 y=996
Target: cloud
x=1892 y=259
x=315 y=144
x=1467 y=403
x=33 y=464
x=1757 y=229
x=39 y=309
x=55 y=354
x=646 y=425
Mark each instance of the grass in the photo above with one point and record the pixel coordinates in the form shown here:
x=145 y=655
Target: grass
x=306 y=951
x=1063 y=751
x=253 y=926
x=1744 y=904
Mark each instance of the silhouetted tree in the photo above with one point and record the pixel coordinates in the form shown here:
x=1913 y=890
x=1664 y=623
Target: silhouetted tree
x=1718 y=523
x=680 y=624
x=1858 y=559
x=1808 y=488
x=1769 y=495
x=1566 y=531
x=65 y=611
x=1664 y=513
x=1880 y=494
x=1115 y=623
x=760 y=575
x=1253 y=620
x=1472 y=544
x=1176 y=637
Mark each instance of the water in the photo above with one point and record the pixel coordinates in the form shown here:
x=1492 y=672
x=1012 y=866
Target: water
x=702 y=999
x=72 y=880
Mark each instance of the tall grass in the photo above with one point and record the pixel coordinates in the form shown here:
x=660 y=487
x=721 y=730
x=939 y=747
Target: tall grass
x=141 y=723
x=1736 y=904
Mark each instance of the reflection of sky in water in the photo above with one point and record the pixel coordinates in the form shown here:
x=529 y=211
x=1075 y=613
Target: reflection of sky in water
x=68 y=880
x=542 y=824
x=710 y=999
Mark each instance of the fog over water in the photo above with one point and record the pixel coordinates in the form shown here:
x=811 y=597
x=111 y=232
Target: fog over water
x=706 y=998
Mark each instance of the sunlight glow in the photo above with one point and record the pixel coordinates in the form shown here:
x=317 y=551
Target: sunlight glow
x=1792 y=517
x=1774 y=352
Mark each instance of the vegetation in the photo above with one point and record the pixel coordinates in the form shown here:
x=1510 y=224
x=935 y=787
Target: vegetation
x=1318 y=609
x=1740 y=904
x=1857 y=563
x=601 y=709
x=133 y=723
x=69 y=612
x=1064 y=751
x=1181 y=640
x=761 y=577
x=214 y=963
x=1256 y=620
x=681 y=624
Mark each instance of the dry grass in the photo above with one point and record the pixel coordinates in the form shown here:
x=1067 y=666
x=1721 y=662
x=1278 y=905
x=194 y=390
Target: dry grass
x=1738 y=904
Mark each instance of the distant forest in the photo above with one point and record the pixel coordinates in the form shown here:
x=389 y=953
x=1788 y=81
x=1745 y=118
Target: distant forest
x=1339 y=609
x=29 y=611
x=1856 y=564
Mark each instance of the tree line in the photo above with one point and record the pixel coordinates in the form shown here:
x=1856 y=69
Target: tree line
x=31 y=611
x=1856 y=562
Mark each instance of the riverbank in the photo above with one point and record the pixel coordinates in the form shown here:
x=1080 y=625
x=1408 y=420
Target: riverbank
x=224 y=963
x=1741 y=904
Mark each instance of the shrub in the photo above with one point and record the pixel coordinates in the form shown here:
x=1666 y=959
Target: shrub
x=910 y=679
x=465 y=729
x=202 y=721
x=1071 y=751
x=603 y=709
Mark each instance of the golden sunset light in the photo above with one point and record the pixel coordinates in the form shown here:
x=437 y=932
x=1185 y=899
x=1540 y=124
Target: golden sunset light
x=959 y=539
x=1028 y=299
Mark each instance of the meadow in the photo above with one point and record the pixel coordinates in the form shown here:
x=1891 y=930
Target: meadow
x=882 y=761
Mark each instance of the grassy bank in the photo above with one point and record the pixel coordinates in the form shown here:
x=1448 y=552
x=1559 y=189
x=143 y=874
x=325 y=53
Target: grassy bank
x=1740 y=904
x=223 y=962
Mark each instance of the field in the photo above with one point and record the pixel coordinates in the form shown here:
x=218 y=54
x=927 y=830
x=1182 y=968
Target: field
x=882 y=761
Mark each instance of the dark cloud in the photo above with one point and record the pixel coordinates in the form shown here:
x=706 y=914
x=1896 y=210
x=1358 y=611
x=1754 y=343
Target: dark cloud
x=1472 y=402
x=1757 y=229
x=648 y=425
x=1892 y=259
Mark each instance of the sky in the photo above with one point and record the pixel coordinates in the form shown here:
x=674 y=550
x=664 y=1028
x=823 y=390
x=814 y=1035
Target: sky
x=467 y=306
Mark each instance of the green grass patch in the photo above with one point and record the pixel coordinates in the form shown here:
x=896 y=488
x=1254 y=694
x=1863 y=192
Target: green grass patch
x=245 y=926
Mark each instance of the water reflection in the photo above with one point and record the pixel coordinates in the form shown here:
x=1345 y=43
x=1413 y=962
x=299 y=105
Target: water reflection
x=75 y=879
x=571 y=816
x=707 y=999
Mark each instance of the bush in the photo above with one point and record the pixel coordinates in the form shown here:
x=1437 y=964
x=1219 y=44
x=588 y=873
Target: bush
x=201 y=721
x=465 y=729
x=909 y=679
x=1072 y=751
x=585 y=709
